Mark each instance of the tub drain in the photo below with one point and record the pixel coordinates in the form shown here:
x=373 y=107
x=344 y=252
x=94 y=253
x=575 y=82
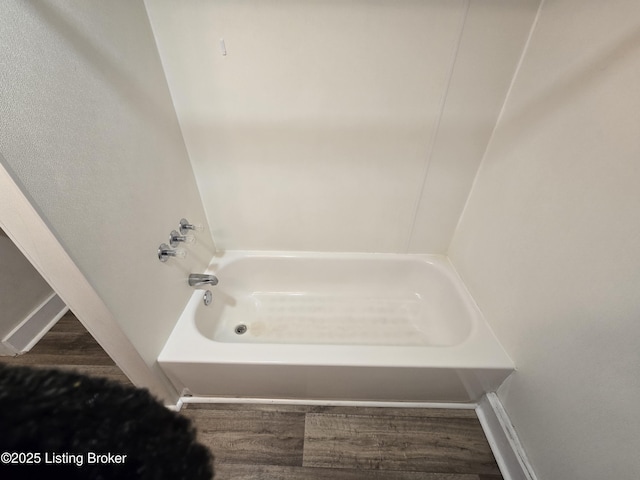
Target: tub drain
x=240 y=329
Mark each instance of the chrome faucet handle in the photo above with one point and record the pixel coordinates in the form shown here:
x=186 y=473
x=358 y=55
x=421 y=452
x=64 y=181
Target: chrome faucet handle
x=175 y=238
x=185 y=226
x=165 y=251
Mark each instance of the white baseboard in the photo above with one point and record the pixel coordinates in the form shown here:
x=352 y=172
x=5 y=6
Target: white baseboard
x=175 y=408
x=27 y=333
x=504 y=442
x=333 y=403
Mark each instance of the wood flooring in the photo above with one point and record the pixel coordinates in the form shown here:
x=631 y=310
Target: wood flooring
x=68 y=346
x=343 y=443
x=297 y=442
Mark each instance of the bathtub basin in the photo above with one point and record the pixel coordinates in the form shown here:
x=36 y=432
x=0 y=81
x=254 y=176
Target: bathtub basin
x=378 y=327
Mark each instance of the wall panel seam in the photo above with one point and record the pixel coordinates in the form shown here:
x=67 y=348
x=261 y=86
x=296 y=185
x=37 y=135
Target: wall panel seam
x=499 y=118
x=434 y=135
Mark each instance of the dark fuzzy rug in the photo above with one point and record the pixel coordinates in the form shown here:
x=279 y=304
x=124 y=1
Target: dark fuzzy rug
x=55 y=422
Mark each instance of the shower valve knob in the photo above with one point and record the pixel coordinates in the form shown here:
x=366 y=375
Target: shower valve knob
x=185 y=226
x=175 y=238
x=165 y=251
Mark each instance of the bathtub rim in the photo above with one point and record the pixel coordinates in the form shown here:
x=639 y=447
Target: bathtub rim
x=480 y=349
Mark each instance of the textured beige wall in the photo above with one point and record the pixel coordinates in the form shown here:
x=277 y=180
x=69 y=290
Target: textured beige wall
x=549 y=243
x=87 y=128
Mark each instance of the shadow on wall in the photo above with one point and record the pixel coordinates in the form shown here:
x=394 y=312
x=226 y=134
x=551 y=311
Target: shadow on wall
x=28 y=305
x=135 y=92
x=564 y=87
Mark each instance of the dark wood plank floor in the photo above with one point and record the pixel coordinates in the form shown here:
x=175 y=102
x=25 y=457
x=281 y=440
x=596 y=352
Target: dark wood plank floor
x=68 y=346
x=288 y=442
x=343 y=443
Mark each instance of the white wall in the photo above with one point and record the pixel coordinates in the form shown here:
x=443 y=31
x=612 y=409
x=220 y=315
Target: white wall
x=549 y=243
x=338 y=126
x=87 y=128
x=22 y=289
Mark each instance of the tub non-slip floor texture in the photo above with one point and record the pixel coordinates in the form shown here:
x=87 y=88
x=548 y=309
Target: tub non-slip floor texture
x=266 y=442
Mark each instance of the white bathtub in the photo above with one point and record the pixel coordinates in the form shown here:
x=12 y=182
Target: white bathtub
x=337 y=327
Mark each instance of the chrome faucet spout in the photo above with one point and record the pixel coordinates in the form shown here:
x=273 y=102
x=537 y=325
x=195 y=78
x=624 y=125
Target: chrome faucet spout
x=200 y=279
